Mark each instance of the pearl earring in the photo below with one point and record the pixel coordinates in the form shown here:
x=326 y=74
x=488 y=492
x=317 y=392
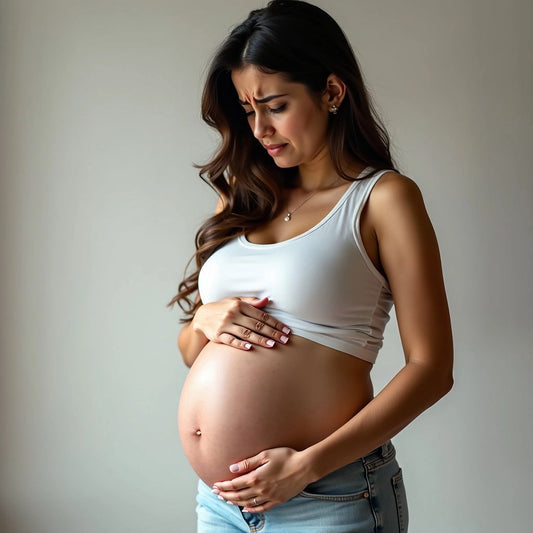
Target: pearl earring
x=334 y=109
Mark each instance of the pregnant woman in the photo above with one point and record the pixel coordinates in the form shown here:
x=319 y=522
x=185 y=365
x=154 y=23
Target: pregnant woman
x=316 y=235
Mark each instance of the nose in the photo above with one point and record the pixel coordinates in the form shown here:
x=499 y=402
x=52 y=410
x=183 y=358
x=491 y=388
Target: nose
x=262 y=126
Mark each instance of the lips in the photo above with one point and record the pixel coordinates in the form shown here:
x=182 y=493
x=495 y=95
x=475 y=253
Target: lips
x=275 y=149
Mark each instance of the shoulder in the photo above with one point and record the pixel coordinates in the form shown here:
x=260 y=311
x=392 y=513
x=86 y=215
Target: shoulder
x=394 y=197
x=393 y=187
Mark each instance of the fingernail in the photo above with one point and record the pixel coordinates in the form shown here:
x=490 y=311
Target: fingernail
x=220 y=497
x=234 y=468
x=214 y=490
x=270 y=342
x=230 y=503
x=247 y=346
x=283 y=339
x=286 y=330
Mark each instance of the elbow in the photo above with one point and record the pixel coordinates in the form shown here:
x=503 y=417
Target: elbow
x=445 y=382
x=447 y=385
x=448 y=380
x=182 y=350
x=187 y=360
x=184 y=355
x=438 y=386
x=443 y=373
x=438 y=381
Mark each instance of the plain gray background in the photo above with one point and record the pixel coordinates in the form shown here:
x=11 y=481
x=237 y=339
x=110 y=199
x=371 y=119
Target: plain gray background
x=99 y=205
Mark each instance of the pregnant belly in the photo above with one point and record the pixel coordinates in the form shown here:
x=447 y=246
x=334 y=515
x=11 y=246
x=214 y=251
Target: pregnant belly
x=235 y=404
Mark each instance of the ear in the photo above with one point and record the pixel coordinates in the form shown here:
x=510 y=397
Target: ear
x=334 y=92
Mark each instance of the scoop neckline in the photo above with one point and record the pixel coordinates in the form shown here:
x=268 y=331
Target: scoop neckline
x=244 y=239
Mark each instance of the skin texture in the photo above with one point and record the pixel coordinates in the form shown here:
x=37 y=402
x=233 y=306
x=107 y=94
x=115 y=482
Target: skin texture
x=243 y=402
x=399 y=239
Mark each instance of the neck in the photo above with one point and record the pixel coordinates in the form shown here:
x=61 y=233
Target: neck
x=316 y=174
x=320 y=173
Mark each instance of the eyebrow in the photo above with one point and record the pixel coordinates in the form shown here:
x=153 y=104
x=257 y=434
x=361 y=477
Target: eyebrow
x=263 y=100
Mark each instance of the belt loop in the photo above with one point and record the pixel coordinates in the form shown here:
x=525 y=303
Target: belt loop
x=385 y=448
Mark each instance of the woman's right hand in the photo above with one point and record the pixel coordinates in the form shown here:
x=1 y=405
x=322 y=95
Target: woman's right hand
x=240 y=322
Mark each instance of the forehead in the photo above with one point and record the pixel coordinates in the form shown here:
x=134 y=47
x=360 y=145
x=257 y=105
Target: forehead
x=253 y=84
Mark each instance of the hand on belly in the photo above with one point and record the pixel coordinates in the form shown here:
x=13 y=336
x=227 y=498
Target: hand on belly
x=236 y=404
x=265 y=480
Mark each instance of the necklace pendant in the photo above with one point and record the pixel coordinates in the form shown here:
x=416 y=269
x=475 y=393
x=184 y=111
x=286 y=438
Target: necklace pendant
x=287 y=217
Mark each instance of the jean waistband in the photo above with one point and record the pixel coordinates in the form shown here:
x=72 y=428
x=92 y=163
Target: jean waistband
x=381 y=455
x=345 y=476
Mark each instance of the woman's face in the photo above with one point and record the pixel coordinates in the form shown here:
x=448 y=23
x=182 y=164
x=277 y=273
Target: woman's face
x=284 y=117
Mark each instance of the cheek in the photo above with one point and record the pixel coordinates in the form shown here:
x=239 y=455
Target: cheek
x=307 y=126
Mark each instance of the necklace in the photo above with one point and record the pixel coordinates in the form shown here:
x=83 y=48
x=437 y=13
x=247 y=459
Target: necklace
x=288 y=216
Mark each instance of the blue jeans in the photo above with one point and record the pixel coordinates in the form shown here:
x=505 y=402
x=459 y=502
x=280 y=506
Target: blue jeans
x=366 y=496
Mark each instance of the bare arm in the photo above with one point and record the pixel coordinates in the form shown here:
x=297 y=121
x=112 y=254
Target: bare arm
x=190 y=343
x=411 y=261
x=410 y=257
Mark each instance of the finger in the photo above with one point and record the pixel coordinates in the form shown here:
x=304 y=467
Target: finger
x=241 y=487
x=249 y=335
x=259 y=508
x=256 y=302
x=243 y=498
x=230 y=340
x=248 y=500
x=243 y=339
x=254 y=502
x=247 y=465
x=263 y=318
x=234 y=488
x=263 y=329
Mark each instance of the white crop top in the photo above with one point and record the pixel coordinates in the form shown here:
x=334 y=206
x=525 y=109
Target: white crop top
x=321 y=283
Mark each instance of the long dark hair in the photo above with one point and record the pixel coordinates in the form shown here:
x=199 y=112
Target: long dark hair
x=305 y=45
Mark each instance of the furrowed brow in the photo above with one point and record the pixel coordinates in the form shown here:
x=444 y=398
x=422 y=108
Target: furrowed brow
x=263 y=100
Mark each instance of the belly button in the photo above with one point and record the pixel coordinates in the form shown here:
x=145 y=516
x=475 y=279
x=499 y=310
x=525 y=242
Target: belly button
x=198 y=432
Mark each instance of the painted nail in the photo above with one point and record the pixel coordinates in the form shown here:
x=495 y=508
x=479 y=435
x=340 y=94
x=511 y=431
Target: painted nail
x=214 y=490
x=230 y=503
x=284 y=339
x=220 y=497
x=286 y=330
x=270 y=342
x=247 y=346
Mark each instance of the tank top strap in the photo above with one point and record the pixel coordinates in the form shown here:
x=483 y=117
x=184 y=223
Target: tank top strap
x=358 y=201
x=362 y=192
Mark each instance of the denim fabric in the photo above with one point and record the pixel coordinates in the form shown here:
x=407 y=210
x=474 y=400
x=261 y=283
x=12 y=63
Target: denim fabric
x=366 y=496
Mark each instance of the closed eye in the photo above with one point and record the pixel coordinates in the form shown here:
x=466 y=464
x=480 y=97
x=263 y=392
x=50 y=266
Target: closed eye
x=277 y=109
x=272 y=110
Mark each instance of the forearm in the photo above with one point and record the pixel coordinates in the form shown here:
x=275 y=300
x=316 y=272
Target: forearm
x=415 y=388
x=190 y=343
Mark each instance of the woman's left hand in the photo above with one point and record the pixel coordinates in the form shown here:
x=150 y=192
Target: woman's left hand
x=267 y=479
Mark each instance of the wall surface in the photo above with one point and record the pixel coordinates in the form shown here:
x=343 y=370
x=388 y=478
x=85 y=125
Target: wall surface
x=99 y=204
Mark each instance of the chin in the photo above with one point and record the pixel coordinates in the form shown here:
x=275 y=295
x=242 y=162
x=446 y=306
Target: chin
x=282 y=162
x=285 y=165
